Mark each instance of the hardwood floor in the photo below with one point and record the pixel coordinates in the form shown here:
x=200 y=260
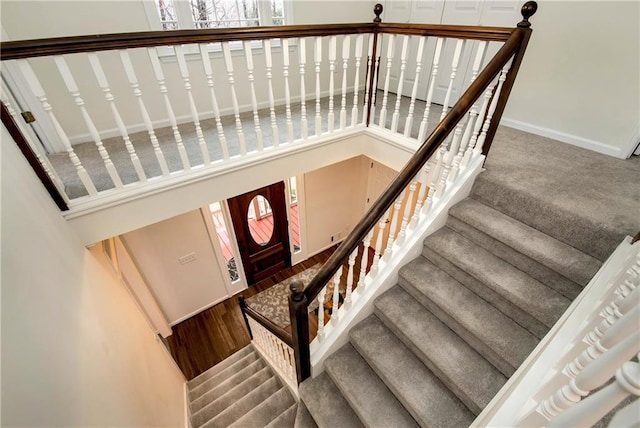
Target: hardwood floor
x=209 y=337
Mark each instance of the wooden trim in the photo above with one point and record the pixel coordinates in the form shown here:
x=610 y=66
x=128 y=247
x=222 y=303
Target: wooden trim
x=28 y=153
x=453 y=31
x=275 y=329
x=100 y=42
x=635 y=238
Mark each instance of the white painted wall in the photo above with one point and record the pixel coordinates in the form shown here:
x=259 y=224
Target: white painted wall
x=334 y=198
x=181 y=290
x=76 y=351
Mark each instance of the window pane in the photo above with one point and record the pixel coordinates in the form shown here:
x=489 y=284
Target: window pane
x=294 y=218
x=232 y=13
x=225 y=243
x=167 y=12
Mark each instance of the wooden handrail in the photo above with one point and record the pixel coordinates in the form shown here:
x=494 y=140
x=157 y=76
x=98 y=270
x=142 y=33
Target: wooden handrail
x=277 y=331
x=455 y=31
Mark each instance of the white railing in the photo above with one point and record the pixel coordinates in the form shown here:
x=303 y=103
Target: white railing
x=583 y=368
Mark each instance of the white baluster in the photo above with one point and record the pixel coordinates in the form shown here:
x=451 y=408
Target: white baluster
x=272 y=105
x=254 y=100
x=104 y=85
x=302 y=59
x=424 y=185
x=72 y=87
x=287 y=93
x=226 y=50
x=615 y=310
x=414 y=92
x=206 y=64
x=364 y=261
x=336 y=294
x=351 y=263
x=434 y=73
x=459 y=148
x=346 y=50
x=447 y=161
x=367 y=79
x=184 y=72
x=38 y=92
x=379 y=242
x=318 y=61
x=385 y=95
x=332 y=72
x=593 y=408
x=157 y=70
x=388 y=251
x=407 y=213
x=454 y=69
x=321 y=297
x=403 y=66
x=356 y=83
x=613 y=335
x=469 y=152
x=593 y=376
x=433 y=179
x=492 y=108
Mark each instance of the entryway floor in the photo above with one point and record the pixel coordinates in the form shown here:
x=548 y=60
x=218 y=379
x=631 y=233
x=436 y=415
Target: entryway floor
x=209 y=337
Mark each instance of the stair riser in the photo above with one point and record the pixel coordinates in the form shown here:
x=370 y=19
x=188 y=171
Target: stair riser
x=195 y=382
x=266 y=411
x=477 y=344
x=518 y=315
x=536 y=270
x=222 y=376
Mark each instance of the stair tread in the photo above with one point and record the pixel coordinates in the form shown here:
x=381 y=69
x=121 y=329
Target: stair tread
x=243 y=406
x=285 y=419
x=326 y=404
x=223 y=375
x=221 y=389
x=368 y=396
x=267 y=410
x=496 y=336
x=229 y=397
x=465 y=372
x=562 y=258
x=524 y=292
x=220 y=366
x=428 y=400
x=303 y=417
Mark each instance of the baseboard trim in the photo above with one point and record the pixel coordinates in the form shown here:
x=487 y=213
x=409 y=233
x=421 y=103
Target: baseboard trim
x=574 y=140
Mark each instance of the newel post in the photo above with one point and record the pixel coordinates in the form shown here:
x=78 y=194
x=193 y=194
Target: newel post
x=299 y=315
x=524 y=26
x=373 y=75
x=243 y=305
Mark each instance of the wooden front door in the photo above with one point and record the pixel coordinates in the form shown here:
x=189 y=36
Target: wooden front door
x=260 y=221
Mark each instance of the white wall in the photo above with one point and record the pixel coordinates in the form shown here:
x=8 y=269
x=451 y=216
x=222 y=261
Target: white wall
x=181 y=290
x=75 y=349
x=334 y=198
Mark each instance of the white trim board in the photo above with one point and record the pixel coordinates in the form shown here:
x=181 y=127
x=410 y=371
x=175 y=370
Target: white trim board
x=574 y=140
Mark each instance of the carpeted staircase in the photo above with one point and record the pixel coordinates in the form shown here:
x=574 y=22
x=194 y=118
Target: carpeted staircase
x=463 y=317
x=241 y=391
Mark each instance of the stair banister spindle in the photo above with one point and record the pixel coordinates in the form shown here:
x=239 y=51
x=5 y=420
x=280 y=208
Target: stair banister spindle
x=448 y=161
x=388 y=251
x=432 y=178
x=368 y=78
x=332 y=72
x=133 y=82
x=321 y=297
x=385 y=96
x=72 y=87
x=622 y=304
x=318 y=61
x=424 y=185
x=374 y=87
x=159 y=74
x=492 y=108
x=336 y=294
x=364 y=261
x=272 y=104
x=591 y=377
x=454 y=69
x=208 y=72
x=346 y=51
x=403 y=66
x=470 y=151
x=621 y=329
x=228 y=61
x=414 y=92
x=407 y=213
x=248 y=55
x=422 y=133
x=287 y=92
x=379 y=242
x=38 y=92
x=106 y=89
x=351 y=263
x=356 y=82
x=302 y=60
x=593 y=408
